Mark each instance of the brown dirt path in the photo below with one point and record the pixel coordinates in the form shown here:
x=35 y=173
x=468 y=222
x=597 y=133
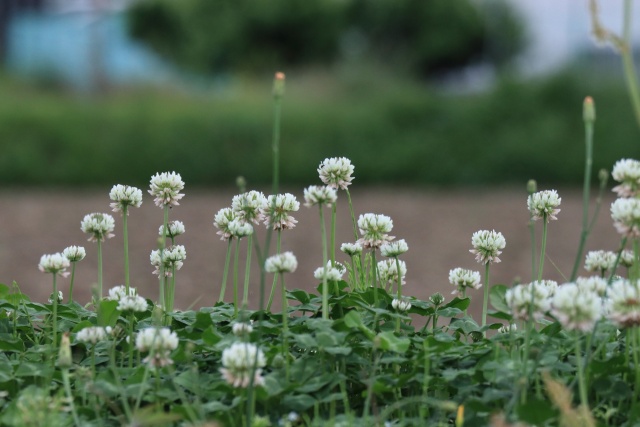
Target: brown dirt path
x=437 y=226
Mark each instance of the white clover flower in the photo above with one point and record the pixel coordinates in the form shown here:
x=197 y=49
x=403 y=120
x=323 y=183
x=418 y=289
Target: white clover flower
x=623 y=303
x=534 y=296
x=166 y=187
x=462 y=279
x=174 y=229
x=627 y=173
x=91 y=335
x=627 y=258
x=222 y=220
x=600 y=261
x=54 y=263
x=74 y=253
x=124 y=196
x=285 y=262
x=594 y=284
x=242 y=329
x=335 y=172
x=98 y=225
x=249 y=206
x=544 y=204
x=487 y=245
x=320 y=195
x=133 y=303
x=505 y=329
x=576 y=308
x=400 y=305
x=388 y=272
x=60 y=297
x=331 y=272
x=239 y=228
x=393 y=249
x=240 y=362
x=626 y=216
x=351 y=249
x=159 y=342
x=551 y=286
x=173 y=257
x=118 y=292
x=277 y=209
x=374 y=229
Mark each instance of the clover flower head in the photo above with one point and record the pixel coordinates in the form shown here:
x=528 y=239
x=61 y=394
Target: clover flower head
x=222 y=220
x=276 y=211
x=534 y=297
x=240 y=362
x=627 y=258
x=320 y=195
x=132 y=303
x=575 y=307
x=623 y=303
x=124 y=196
x=625 y=214
x=627 y=173
x=331 y=272
x=544 y=204
x=241 y=329
x=118 y=292
x=505 y=329
x=436 y=299
x=239 y=228
x=462 y=279
x=394 y=249
x=351 y=249
x=172 y=257
x=284 y=262
x=74 y=253
x=166 y=187
x=388 y=271
x=487 y=245
x=249 y=206
x=98 y=225
x=374 y=229
x=593 y=284
x=401 y=305
x=335 y=172
x=159 y=342
x=600 y=261
x=174 y=229
x=60 y=297
x=54 y=263
x=91 y=335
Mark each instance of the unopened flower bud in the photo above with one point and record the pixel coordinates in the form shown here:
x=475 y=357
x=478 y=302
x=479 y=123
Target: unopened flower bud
x=532 y=186
x=64 y=354
x=278 y=85
x=588 y=110
x=241 y=182
x=603 y=176
x=436 y=299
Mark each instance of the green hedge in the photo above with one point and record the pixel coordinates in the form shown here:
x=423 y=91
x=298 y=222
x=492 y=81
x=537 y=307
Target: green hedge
x=396 y=135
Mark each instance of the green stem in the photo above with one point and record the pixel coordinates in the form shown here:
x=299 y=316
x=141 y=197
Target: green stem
x=73 y=275
x=125 y=237
x=163 y=243
x=55 y=315
x=225 y=274
x=277 y=103
x=247 y=270
x=99 y=271
x=485 y=300
x=273 y=285
x=627 y=61
x=424 y=410
x=399 y=292
x=285 y=326
x=235 y=277
x=131 y=342
x=543 y=247
x=67 y=390
x=374 y=269
x=333 y=231
x=325 y=288
x=581 y=382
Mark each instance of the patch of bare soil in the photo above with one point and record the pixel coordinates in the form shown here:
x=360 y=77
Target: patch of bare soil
x=437 y=226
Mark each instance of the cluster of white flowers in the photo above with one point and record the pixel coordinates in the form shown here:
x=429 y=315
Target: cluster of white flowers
x=335 y=172
x=331 y=272
x=374 y=229
x=118 y=292
x=462 y=279
x=575 y=307
x=627 y=173
x=124 y=196
x=240 y=362
x=401 y=305
x=239 y=228
x=600 y=261
x=388 y=272
x=59 y=299
x=92 y=335
x=276 y=212
x=241 y=329
x=533 y=297
x=320 y=195
x=54 y=263
x=132 y=303
x=174 y=229
x=222 y=220
x=166 y=187
x=284 y=262
x=627 y=258
x=593 y=284
x=623 y=303
x=99 y=225
x=505 y=329
x=351 y=249
x=487 y=245
x=173 y=257
x=159 y=342
x=249 y=206
x=394 y=249
x=74 y=253
x=544 y=204
x=626 y=216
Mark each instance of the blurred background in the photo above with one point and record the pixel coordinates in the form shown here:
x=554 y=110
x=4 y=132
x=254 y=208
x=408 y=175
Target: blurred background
x=432 y=100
